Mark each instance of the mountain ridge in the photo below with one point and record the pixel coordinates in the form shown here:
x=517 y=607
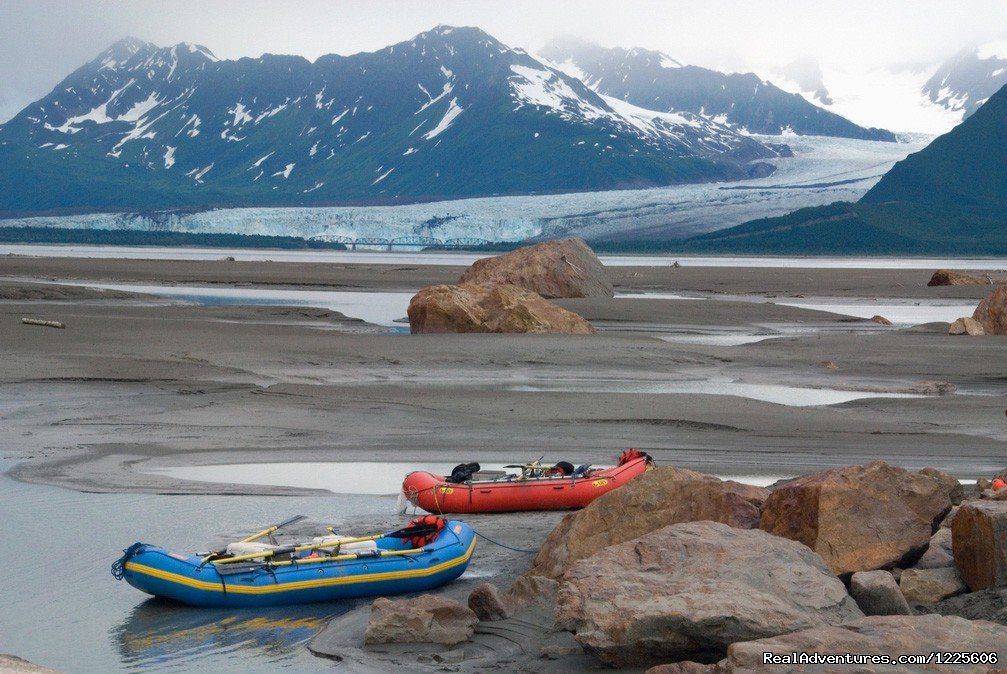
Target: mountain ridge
x=744 y=101
x=451 y=113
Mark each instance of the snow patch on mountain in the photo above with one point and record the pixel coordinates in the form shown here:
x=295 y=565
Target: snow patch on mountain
x=449 y=116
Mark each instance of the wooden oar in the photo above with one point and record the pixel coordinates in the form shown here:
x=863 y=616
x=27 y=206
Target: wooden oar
x=407 y=532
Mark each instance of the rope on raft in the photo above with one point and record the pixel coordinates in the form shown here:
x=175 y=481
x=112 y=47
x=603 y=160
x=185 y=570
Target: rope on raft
x=119 y=565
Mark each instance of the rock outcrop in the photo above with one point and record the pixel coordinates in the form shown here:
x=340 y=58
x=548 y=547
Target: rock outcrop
x=654 y=500
x=930 y=585
x=859 y=518
x=966 y=325
x=424 y=619
x=938 y=555
x=982 y=605
x=992 y=312
x=478 y=308
x=560 y=268
x=688 y=591
x=979 y=544
x=877 y=635
x=949 y=277
x=487 y=603
x=877 y=593
x=951 y=484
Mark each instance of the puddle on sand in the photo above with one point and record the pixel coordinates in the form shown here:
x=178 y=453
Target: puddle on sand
x=794 y=396
x=379 y=308
x=375 y=478
x=900 y=314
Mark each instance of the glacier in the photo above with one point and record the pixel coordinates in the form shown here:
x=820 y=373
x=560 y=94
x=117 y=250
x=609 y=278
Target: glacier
x=822 y=170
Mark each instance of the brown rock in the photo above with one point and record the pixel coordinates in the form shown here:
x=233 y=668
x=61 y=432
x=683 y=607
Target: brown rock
x=930 y=585
x=948 y=277
x=877 y=593
x=12 y=664
x=979 y=544
x=876 y=635
x=686 y=667
x=424 y=619
x=951 y=484
x=859 y=518
x=939 y=553
x=966 y=325
x=688 y=591
x=487 y=603
x=992 y=312
x=654 y=500
x=881 y=320
x=503 y=308
x=932 y=387
x=560 y=268
x=529 y=590
x=949 y=518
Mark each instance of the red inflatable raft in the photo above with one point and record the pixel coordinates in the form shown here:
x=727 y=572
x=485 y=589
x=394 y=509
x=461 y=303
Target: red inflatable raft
x=537 y=487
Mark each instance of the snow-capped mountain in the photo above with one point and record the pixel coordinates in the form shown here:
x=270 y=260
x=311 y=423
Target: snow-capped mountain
x=653 y=80
x=967 y=80
x=451 y=113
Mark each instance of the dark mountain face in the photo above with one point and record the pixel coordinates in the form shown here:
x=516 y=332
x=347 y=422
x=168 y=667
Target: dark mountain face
x=964 y=168
x=451 y=113
x=950 y=198
x=655 y=81
x=965 y=81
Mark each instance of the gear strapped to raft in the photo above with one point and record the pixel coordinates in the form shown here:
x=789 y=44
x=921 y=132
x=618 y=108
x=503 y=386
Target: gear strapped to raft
x=432 y=523
x=463 y=472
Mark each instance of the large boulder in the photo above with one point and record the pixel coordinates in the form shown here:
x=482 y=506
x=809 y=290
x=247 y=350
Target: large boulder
x=982 y=605
x=859 y=518
x=424 y=619
x=992 y=312
x=560 y=268
x=938 y=555
x=877 y=593
x=966 y=325
x=487 y=603
x=930 y=585
x=654 y=500
x=979 y=544
x=502 y=308
x=688 y=591
x=951 y=484
x=949 y=277
x=888 y=636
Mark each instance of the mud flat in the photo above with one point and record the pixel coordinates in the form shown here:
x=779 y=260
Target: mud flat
x=134 y=383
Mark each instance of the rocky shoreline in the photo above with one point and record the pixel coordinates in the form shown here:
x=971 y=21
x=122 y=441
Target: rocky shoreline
x=681 y=572
x=135 y=383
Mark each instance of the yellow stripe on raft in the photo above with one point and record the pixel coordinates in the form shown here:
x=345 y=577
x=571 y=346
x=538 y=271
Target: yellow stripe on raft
x=299 y=585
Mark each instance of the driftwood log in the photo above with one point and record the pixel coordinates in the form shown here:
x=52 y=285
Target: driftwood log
x=47 y=324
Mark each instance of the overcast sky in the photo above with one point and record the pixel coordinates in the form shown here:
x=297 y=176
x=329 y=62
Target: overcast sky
x=41 y=41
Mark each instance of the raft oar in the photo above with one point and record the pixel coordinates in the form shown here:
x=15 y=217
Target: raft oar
x=254 y=537
x=343 y=558
x=275 y=527
x=407 y=532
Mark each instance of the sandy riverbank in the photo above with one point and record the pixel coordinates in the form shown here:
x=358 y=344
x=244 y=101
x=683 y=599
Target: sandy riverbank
x=131 y=385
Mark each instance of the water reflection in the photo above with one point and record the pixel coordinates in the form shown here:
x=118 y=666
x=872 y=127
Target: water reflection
x=164 y=635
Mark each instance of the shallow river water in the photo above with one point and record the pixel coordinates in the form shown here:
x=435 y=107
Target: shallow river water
x=63 y=609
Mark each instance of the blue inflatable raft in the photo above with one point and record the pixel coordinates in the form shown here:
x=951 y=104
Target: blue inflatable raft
x=415 y=559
